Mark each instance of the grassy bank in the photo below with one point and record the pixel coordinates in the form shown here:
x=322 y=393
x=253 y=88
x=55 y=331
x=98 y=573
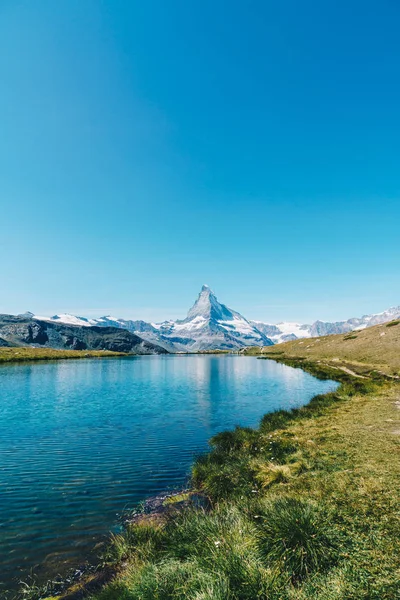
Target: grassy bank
x=305 y=507
x=18 y=354
x=372 y=350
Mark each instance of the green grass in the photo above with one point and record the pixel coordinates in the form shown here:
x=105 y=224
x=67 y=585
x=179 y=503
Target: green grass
x=21 y=354
x=299 y=536
x=305 y=507
x=393 y=324
x=176 y=498
x=374 y=348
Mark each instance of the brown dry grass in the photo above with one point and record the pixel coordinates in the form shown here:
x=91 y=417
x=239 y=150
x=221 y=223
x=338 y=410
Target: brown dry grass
x=374 y=348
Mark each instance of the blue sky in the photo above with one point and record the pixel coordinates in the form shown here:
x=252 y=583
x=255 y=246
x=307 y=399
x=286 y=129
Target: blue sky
x=147 y=148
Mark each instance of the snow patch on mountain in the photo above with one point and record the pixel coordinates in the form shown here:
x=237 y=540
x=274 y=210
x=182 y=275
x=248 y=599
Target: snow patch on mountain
x=297 y=329
x=68 y=319
x=196 y=323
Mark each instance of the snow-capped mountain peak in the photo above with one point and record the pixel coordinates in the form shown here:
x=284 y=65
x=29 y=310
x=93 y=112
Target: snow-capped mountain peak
x=208 y=307
x=212 y=325
x=208 y=325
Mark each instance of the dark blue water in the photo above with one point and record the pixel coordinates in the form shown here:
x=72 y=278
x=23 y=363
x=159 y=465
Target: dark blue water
x=82 y=440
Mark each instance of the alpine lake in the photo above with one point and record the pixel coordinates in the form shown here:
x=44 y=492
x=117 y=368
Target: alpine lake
x=83 y=441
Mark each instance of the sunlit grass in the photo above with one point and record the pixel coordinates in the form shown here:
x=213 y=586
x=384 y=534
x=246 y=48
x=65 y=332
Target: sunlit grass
x=361 y=351
x=306 y=507
x=21 y=354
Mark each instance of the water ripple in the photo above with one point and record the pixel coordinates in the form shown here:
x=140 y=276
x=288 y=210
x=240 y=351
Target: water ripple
x=82 y=440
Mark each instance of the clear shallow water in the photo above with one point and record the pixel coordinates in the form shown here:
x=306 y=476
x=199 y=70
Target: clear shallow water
x=82 y=440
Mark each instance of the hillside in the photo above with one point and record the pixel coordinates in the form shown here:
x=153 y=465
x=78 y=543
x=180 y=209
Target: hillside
x=374 y=348
x=26 y=331
x=209 y=325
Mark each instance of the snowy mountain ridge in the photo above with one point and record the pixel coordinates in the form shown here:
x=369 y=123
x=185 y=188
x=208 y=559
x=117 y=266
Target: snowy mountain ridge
x=208 y=325
x=284 y=332
x=212 y=325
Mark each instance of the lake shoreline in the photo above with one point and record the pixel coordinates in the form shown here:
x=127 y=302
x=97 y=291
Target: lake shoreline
x=17 y=354
x=100 y=436
x=152 y=512
x=323 y=407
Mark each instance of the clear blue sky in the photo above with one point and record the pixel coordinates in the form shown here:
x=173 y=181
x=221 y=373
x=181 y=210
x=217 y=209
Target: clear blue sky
x=149 y=147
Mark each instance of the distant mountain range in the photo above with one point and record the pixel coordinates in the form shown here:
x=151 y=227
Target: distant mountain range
x=208 y=325
x=212 y=325
x=26 y=330
x=286 y=332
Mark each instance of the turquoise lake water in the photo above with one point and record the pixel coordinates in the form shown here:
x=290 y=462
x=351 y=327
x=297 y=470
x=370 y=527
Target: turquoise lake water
x=81 y=441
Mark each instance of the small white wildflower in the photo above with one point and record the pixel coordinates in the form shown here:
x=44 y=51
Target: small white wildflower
x=217 y=543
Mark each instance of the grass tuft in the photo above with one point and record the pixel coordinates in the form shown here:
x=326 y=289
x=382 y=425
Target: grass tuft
x=297 y=535
x=267 y=474
x=303 y=508
x=393 y=324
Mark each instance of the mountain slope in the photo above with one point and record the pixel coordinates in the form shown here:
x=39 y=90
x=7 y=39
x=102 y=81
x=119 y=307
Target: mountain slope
x=209 y=325
x=377 y=346
x=283 y=332
x=27 y=331
x=322 y=328
x=286 y=332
